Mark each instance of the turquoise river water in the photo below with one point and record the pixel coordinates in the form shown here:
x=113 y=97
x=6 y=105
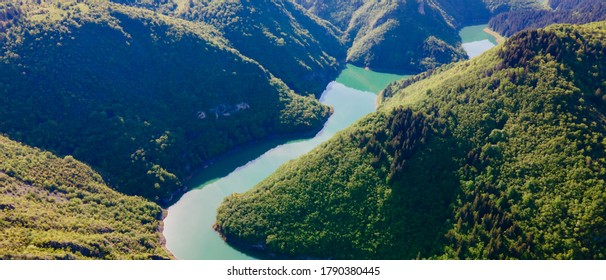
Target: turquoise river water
x=188 y=226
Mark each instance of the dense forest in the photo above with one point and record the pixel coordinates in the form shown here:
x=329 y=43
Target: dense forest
x=558 y=11
x=107 y=107
x=407 y=36
x=144 y=99
x=500 y=157
x=402 y=36
x=59 y=208
x=147 y=91
x=296 y=47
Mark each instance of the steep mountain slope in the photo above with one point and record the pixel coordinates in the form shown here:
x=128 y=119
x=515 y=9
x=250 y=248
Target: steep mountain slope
x=500 y=6
x=402 y=35
x=499 y=157
x=338 y=12
x=143 y=98
x=59 y=208
x=295 y=46
x=392 y=35
x=557 y=11
x=410 y=36
x=470 y=12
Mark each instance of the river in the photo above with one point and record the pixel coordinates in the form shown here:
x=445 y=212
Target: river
x=475 y=40
x=188 y=226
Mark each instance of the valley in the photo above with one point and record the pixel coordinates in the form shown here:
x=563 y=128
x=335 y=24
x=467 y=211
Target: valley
x=499 y=157
x=247 y=129
x=352 y=96
x=188 y=226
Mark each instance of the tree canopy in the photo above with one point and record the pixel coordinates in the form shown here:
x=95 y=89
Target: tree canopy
x=500 y=157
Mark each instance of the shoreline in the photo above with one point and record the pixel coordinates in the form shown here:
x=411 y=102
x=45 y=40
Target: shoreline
x=187 y=183
x=160 y=231
x=258 y=250
x=272 y=139
x=500 y=39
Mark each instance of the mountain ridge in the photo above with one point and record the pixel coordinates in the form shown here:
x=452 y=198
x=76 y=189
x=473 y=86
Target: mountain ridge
x=407 y=36
x=168 y=94
x=499 y=157
x=297 y=47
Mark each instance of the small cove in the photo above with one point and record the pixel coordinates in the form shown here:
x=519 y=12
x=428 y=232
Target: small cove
x=475 y=40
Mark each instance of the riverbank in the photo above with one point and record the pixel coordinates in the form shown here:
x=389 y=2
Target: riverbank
x=258 y=251
x=188 y=226
x=160 y=231
x=215 y=168
x=209 y=170
x=500 y=39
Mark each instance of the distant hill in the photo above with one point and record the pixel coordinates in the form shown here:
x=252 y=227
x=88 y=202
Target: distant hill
x=401 y=36
x=556 y=11
x=295 y=46
x=499 y=157
x=407 y=36
x=141 y=97
x=59 y=208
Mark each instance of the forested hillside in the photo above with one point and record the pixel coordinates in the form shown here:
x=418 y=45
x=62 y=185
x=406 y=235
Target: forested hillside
x=407 y=36
x=143 y=98
x=557 y=11
x=59 y=208
x=295 y=46
x=8 y=15
x=500 y=157
x=402 y=36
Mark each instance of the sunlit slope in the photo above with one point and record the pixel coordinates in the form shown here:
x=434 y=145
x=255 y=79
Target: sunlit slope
x=407 y=36
x=59 y=208
x=499 y=157
x=143 y=98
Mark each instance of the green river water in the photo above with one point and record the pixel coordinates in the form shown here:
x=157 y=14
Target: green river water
x=188 y=226
x=475 y=40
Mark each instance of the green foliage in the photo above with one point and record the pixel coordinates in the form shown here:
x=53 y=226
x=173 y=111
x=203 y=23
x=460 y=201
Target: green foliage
x=144 y=99
x=500 y=6
x=281 y=211
x=500 y=157
x=338 y=12
x=296 y=47
x=407 y=36
x=9 y=14
x=59 y=208
x=558 y=11
x=467 y=12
